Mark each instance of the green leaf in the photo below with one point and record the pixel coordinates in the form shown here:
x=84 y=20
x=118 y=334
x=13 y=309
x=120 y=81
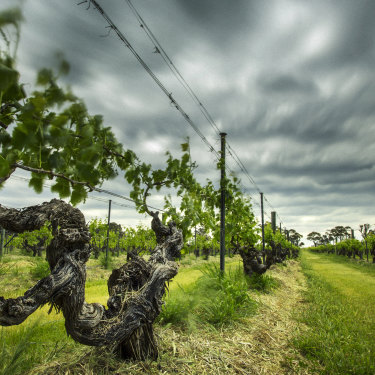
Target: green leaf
x=87 y=131
x=8 y=77
x=19 y=138
x=86 y=173
x=159 y=175
x=56 y=161
x=130 y=175
x=10 y=16
x=90 y=154
x=62 y=187
x=64 y=67
x=38 y=103
x=4 y=167
x=45 y=76
x=185 y=147
x=36 y=182
x=78 y=194
x=60 y=120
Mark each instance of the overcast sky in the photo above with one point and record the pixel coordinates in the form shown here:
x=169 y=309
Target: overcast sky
x=291 y=81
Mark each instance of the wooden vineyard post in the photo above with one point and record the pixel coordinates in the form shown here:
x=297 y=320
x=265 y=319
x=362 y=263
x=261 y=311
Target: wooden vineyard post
x=222 y=204
x=262 y=215
x=109 y=221
x=273 y=221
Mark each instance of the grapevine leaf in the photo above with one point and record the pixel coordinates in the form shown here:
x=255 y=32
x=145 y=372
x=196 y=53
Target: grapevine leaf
x=4 y=167
x=78 y=194
x=10 y=16
x=45 y=76
x=8 y=77
x=36 y=182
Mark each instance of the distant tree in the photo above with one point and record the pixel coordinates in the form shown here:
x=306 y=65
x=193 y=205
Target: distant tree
x=315 y=237
x=294 y=237
x=364 y=228
x=348 y=232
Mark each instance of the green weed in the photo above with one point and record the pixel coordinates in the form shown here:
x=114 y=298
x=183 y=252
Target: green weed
x=106 y=262
x=4 y=268
x=25 y=346
x=262 y=283
x=179 y=309
x=41 y=270
x=215 y=298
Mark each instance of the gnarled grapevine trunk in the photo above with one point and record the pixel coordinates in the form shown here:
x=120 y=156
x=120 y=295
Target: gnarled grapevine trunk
x=135 y=289
x=252 y=262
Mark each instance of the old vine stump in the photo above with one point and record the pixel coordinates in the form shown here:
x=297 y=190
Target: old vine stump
x=135 y=290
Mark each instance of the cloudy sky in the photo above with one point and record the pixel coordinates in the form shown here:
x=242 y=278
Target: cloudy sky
x=291 y=81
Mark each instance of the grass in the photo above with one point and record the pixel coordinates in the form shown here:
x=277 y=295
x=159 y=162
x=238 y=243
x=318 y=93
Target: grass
x=24 y=346
x=256 y=344
x=208 y=325
x=106 y=261
x=357 y=264
x=41 y=269
x=263 y=283
x=214 y=299
x=340 y=316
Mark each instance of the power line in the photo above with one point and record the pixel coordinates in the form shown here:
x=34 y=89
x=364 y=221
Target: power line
x=153 y=76
x=106 y=201
x=238 y=161
x=242 y=167
x=160 y=50
x=168 y=61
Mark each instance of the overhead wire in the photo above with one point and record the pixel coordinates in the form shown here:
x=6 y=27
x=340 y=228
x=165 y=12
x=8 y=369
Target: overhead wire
x=160 y=50
x=122 y=37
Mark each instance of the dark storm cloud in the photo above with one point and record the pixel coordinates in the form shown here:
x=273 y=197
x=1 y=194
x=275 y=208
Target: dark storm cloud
x=290 y=81
x=222 y=21
x=287 y=85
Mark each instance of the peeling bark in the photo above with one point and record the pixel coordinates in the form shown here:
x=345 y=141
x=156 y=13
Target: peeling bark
x=135 y=289
x=252 y=261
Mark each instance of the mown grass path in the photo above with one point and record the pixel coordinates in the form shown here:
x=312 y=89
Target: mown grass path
x=340 y=314
x=346 y=277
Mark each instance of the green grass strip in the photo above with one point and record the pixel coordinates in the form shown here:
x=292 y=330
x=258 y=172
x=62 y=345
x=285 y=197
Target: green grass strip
x=340 y=316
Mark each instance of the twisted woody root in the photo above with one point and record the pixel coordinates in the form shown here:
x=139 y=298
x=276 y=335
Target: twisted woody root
x=135 y=289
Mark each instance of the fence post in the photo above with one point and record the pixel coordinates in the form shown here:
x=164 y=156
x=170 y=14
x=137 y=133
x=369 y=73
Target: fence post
x=222 y=204
x=273 y=221
x=109 y=221
x=262 y=215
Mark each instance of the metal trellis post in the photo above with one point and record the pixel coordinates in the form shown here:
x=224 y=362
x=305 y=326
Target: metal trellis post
x=109 y=221
x=262 y=214
x=273 y=221
x=222 y=204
